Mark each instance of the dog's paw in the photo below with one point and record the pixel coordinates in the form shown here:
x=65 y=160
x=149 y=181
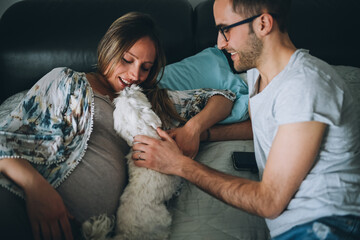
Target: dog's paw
x=97 y=228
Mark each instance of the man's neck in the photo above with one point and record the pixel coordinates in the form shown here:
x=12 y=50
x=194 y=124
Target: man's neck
x=275 y=57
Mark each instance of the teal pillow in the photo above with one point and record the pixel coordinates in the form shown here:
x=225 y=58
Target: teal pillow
x=208 y=69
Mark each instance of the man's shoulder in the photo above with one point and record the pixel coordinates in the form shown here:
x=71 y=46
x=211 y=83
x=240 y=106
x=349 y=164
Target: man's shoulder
x=306 y=63
x=310 y=69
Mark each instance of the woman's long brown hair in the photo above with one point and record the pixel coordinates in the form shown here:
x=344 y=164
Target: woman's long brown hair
x=120 y=37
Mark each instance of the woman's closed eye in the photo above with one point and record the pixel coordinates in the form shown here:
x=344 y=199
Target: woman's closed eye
x=126 y=61
x=145 y=69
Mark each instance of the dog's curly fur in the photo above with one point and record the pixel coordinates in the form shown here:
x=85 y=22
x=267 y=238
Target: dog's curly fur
x=142 y=213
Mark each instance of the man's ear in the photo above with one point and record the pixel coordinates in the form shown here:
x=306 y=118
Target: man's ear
x=264 y=24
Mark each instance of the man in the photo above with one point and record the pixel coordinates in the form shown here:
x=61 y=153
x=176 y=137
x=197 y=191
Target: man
x=307 y=143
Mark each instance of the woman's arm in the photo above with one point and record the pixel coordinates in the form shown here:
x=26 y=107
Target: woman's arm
x=188 y=137
x=46 y=210
x=234 y=131
x=62 y=97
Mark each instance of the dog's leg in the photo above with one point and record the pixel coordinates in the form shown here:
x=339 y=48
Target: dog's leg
x=97 y=228
x=142 y=213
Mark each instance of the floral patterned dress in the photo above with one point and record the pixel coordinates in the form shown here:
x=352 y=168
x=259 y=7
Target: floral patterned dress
x=52 y=124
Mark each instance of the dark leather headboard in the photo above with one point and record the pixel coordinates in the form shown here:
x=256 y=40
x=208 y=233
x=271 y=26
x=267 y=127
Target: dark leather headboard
x=328 y=28
x=36 y=36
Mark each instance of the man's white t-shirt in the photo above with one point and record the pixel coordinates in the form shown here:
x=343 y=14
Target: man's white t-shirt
x=309 y=89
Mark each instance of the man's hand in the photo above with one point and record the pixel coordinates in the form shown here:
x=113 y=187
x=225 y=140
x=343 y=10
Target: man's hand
x=160 y=155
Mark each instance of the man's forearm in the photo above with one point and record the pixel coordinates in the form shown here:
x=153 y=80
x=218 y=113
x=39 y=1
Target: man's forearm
x=241 y=193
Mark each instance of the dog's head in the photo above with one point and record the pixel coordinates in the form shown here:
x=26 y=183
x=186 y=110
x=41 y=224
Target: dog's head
x=133 y=114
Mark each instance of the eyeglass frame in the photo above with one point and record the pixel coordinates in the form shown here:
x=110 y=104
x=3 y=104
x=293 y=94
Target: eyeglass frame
x=247 y=20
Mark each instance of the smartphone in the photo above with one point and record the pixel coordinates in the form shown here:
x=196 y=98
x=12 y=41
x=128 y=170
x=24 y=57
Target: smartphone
x=244 y=161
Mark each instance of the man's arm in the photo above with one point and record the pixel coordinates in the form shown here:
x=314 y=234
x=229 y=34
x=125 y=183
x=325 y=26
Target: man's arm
x=292 y=155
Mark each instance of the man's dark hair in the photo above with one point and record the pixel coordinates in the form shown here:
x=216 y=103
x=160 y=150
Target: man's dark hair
x=279 y=8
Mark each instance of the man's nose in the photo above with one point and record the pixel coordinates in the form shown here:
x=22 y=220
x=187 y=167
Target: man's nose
x=221 y=42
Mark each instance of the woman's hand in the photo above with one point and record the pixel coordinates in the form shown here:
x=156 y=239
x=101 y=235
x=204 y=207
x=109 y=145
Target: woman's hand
x=187 y=138
x=48 y=215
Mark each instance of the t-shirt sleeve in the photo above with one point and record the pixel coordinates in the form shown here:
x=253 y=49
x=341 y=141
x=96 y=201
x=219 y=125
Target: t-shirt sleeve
x=309 y=99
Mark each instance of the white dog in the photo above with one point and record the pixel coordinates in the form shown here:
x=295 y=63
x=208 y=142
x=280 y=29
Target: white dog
x=142 y=213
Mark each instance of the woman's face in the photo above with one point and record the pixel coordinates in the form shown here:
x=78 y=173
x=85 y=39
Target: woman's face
x=135 y=65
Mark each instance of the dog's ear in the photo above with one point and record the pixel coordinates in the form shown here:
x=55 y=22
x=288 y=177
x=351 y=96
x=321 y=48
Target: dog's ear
x=133 y=115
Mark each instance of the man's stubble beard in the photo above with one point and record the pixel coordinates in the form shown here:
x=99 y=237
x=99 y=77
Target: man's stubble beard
x=248 y=58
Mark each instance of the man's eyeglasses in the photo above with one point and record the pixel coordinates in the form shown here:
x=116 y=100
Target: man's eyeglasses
x=225 y=29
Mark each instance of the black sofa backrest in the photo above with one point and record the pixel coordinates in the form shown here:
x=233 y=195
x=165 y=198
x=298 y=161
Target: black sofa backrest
x=36 y=36
x=328 y=28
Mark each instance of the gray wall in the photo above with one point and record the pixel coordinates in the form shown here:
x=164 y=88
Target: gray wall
x=4 y=4
x=195 y=2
